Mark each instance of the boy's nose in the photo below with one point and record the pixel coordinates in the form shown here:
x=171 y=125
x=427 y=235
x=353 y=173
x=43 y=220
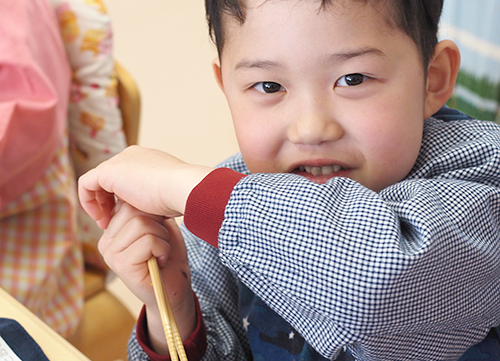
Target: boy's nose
x=314 y=128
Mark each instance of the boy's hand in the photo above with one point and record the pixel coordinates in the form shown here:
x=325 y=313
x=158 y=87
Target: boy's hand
x=150 y=180
x=130 y=240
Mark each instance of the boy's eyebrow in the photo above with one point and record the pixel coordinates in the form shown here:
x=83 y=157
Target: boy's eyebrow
x=260 y=64
x=358 y=53
x=267 y=64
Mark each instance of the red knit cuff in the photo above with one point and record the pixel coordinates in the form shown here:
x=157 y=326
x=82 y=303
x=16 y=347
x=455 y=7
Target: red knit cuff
x=207 y=202
x=195 y=345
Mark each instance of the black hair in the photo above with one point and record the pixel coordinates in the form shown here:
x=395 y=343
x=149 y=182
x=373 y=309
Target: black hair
x=418 y=19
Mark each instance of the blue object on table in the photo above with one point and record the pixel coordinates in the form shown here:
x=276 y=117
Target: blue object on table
x=20 y=341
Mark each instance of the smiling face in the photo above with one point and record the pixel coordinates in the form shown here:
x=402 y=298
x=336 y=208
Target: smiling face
x=323 y=93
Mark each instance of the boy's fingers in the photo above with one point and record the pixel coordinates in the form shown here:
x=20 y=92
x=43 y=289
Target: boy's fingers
x=123 y=213
x=96 y=201
x=137 y=252
x=127 y=226
x=99 y=210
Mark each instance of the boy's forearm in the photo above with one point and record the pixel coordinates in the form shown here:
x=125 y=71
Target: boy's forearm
x=150 y=180
x=154 y=345
x=156 y=335
x=186 y=321
x=178 y=190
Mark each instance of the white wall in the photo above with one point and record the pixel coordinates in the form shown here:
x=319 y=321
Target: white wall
x=166 y=47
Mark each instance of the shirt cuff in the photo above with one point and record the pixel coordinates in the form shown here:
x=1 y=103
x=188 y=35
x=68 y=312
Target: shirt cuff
x=207 y=202
x=195 y=346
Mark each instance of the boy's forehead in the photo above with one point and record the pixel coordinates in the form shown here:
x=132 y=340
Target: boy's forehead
x=384 y=7
x=321 y=4
x=337 y=7
x=271 y=27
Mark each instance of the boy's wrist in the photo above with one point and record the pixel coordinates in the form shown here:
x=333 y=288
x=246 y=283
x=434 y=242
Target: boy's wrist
x=186 y=178
x=154 y=330
x=195 y=344
x=185 y=318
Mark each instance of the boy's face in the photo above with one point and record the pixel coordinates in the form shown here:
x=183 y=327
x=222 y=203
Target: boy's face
x=323 y=94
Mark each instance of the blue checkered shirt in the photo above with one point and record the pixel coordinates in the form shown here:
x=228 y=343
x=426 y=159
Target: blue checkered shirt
x=410 y=273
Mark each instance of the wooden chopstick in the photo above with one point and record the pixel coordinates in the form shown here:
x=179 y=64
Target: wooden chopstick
x=174 y=340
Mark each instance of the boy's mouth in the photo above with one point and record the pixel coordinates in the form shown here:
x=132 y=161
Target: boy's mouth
x=321 y=174
x=323 y=170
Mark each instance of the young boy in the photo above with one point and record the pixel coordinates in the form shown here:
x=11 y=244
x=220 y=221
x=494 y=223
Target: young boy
x=353 y=225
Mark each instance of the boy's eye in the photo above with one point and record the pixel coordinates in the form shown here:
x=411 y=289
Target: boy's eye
x=268 y=87
x=352 y=79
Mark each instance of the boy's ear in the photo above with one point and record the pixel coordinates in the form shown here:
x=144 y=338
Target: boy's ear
x=441 y=76
x=217 y=72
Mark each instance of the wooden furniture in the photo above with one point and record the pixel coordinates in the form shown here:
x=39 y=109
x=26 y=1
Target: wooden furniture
x=130 y=103
x=106 y=325
x=55 y=347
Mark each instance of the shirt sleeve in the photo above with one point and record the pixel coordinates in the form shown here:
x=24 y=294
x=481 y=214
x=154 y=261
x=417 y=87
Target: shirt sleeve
x=205 y=207
x=408 y=271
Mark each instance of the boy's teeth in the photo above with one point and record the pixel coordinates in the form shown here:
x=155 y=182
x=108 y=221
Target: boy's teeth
x=325 y=170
